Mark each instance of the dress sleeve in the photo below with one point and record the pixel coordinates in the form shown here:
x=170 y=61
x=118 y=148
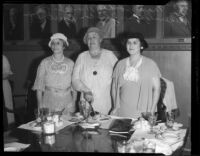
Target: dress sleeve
x=40 y=78
x=116 y=86
x=112 y=58
x=155 y=70
x=6 y=66
x=77 y=68
x=76 y=81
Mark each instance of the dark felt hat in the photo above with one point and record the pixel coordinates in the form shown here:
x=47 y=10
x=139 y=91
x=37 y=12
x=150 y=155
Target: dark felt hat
x=137 y=35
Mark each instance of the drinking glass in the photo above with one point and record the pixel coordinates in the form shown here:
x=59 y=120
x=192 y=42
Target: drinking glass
x=37 y=115
x=121 y=146
x=146 y=115
x=49 y=115
x=149 y=147
x=170 y=120
x=138 y=146
x=152 y=119
x=85 y=109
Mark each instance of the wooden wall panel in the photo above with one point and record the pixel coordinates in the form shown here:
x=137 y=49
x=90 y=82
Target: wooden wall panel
x=176 y=66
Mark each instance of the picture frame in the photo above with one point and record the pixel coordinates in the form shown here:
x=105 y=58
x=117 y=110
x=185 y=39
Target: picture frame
x=40 y=21
x=177 y=20
x=13 y=20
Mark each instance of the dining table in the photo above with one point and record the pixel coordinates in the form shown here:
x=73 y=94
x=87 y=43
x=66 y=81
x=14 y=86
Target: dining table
x=74 y=138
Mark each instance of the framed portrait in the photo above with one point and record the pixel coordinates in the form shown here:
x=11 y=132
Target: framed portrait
x=101 y=16
x=40 y=21
x=140 y=18
x=67 y=20
x=13 y=19
x=177 y=19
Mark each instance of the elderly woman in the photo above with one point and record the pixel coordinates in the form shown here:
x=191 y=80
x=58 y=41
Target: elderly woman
x=53 y=80
x=92 y=73
x=136 y=81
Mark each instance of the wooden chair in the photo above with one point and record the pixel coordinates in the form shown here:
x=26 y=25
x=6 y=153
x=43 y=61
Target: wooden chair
x=161 y=108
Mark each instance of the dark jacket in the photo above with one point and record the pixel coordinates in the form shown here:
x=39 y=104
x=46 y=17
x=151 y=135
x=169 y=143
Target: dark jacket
x=38 y=33
x=67 y=30
x=174 y=27
x=144 y=27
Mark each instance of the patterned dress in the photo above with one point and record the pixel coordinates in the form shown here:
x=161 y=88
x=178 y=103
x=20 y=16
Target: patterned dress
x=54 y=79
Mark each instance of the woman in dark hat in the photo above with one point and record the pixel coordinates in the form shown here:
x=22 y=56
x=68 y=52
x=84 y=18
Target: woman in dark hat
x=136 y=83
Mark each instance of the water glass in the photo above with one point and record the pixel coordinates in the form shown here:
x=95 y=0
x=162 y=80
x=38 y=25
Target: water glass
x=146 y=115
x=37 y=115
x=85 y=109
x=152 y=119
x=49 y=115
x=121 y=146
x=170 y=120
x=149 y=147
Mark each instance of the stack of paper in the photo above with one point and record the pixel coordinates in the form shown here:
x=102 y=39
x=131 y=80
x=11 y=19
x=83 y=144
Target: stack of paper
x=15 y=147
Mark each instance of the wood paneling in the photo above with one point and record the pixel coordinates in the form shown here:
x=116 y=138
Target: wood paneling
x=176 y=66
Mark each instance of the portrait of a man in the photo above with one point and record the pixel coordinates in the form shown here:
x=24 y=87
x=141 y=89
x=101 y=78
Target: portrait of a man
x=13 y=22
x=40 y=26
x=178 y=21
x=67 y=25
x=141 y=18
x=106 y=23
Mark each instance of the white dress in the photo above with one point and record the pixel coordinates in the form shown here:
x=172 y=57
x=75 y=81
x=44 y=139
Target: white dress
x=97 y=76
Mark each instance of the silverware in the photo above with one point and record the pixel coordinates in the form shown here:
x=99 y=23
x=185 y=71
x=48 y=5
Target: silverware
x=118 y=135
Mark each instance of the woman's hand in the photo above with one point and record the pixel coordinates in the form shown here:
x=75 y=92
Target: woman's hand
x=88 y=96
x=114 y=112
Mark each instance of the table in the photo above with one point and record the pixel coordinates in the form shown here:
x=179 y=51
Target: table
x=72 y=138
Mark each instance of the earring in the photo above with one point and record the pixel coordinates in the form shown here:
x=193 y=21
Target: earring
x=141 y=48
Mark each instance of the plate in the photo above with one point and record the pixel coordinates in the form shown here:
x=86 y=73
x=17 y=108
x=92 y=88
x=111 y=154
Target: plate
x=75 y=119
x=86 y=125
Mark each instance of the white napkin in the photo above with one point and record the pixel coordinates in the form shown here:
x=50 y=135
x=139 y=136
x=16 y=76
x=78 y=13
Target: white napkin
x=15 y=147
x=138 y=135
x=161 y=147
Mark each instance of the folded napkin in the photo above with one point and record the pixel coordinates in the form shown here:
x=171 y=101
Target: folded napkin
x=161 y=147
x=15 y=147
x=138 y=135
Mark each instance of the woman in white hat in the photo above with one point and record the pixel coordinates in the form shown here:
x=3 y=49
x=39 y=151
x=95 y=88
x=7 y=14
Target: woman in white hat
x=92 y=73
x=53 y=80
